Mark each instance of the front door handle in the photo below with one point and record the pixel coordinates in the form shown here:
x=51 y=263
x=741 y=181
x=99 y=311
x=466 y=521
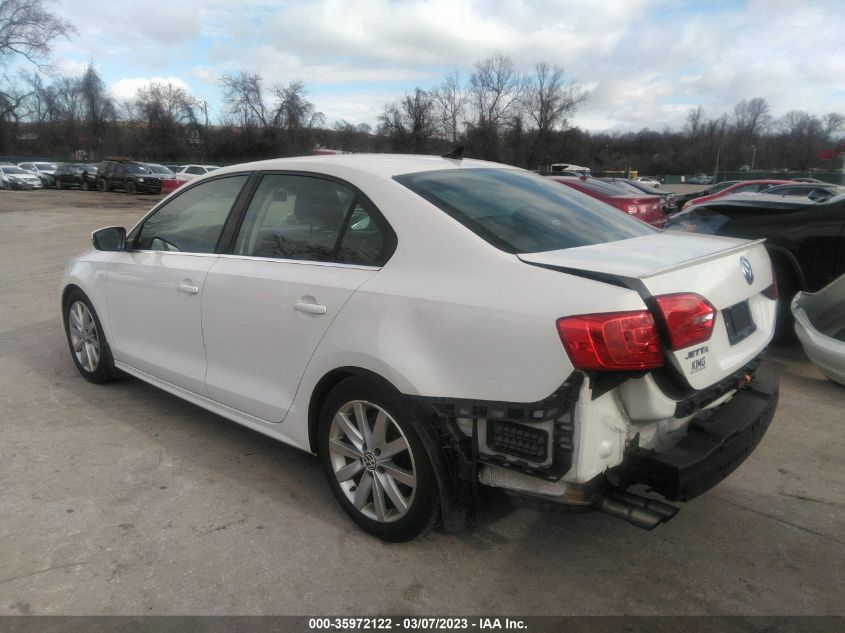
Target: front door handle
x=188 y=289
x=309 y=308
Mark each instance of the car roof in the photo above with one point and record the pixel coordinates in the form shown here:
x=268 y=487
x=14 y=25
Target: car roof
x=385 y=165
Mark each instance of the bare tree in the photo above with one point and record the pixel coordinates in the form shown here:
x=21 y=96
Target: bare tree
x=243 y=94
x=293 y=111
x=28 y=29
x=410 y=123
x=695 y=123
x=752 y=118
x=450 y=103
x=832 y=122
x=496 y=89
x=549 y=99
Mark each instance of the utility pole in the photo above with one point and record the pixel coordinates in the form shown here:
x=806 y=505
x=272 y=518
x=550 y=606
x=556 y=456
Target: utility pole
x=716 y=170
x=753 y=156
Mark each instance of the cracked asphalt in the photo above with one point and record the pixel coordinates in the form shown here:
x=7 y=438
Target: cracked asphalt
x=122 y=499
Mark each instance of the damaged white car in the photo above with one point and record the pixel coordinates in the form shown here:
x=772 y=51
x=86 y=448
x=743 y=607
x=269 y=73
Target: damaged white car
x=428 y=324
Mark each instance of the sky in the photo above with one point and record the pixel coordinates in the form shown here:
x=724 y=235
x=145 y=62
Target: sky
x=645 y=63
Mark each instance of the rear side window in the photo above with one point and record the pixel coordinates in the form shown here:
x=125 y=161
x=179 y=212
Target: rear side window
x=312 y=219
x=192 y=221
x=519 y=212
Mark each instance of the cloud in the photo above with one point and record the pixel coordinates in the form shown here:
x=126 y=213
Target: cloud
x=647 y=61
x=126 y=88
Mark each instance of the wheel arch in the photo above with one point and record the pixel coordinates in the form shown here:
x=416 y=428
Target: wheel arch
x=783 y=259
x=325 y=386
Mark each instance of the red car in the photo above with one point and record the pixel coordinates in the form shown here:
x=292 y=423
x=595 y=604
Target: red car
x=643 y=207
x=746 y=186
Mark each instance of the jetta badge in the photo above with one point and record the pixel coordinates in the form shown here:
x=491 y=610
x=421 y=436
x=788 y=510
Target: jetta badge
x=747 y=271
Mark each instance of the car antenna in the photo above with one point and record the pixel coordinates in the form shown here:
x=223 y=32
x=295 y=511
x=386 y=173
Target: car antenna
x=457 y=153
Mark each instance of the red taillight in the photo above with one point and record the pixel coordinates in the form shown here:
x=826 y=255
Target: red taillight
x=612 y=341
x=689 y=318
x=631 y=208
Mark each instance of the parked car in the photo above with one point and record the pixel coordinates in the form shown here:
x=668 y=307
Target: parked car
x=44 y=171
x=648 y=180
x=191 y=172
x=744 y=186
x=805 y=238
x=815 y=180
x=642 y=206
x=700 y=179
x=129 y=176
x=169 y=181
x=544 y=350
x=13 y=177
x=815 y=191
x=820 y=327
x=682 y=198
x=80 y=175
x=668 y=200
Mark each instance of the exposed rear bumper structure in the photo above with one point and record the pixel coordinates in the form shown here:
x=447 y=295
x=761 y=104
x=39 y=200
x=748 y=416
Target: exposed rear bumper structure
x=713 y=447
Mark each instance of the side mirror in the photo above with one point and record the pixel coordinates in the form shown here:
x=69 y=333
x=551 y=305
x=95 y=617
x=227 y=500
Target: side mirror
x=112 y=238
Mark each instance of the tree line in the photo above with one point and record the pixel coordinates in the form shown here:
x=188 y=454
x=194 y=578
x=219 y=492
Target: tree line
x=496 y=113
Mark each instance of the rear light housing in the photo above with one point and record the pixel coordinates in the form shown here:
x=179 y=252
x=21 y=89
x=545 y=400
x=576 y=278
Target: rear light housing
x=687 y=317
x=613 y=341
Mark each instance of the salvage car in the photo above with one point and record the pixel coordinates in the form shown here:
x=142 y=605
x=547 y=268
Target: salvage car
x=44 y=171
x=127 y=175
x=80 y=175
x=668 y=199
x=645 y=207
x=820 y=327
x=744 y=186
x=428 y=325
x=13 y=177
x=805 y=238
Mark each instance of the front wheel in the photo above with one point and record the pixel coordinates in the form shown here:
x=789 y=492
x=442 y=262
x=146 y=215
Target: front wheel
x=87 y=342
x=102 y=185
x=376 y=463
x=130 y=187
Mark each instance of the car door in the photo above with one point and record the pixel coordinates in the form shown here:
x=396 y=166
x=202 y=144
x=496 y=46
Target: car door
x=305 y=245
x=155 y=290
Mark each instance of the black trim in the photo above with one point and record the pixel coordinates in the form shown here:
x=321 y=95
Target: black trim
x=559 y=406
x=715 y=445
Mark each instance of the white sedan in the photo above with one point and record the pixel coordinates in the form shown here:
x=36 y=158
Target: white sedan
x=428 y=324
x=192 y=172
x=12 y=177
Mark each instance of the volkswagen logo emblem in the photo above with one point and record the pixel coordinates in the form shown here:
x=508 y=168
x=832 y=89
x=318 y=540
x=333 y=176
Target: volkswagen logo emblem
x=747 y=271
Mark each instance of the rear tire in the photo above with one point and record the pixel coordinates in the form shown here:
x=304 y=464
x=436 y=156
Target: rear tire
x=376 y=463
x=87 y=343
x=102 y=185
x=130 y=187
x=59 y=185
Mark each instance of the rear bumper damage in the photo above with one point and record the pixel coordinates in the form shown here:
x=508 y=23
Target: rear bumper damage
x=713 y=447
x=716 y=442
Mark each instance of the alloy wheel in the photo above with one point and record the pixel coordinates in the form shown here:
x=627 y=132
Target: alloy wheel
x=372 y=461
x=83 y=336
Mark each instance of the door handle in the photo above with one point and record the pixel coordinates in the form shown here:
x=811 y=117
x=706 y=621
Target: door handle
x=309 y=308
x=188 y=289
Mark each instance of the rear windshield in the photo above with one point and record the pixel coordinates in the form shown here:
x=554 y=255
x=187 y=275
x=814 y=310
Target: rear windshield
x=519 y=212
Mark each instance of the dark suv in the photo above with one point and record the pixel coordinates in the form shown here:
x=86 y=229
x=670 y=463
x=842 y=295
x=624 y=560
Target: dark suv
x=129 y=176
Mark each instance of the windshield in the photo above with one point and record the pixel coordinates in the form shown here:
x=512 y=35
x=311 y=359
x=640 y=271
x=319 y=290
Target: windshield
x=132 y=168
x=14 y=170
x=45 y=166
x=520 y=212
x=627 y=187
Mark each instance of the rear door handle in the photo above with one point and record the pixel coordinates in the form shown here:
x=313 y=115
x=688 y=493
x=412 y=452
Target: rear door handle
x=309 y=308
x=188 y=289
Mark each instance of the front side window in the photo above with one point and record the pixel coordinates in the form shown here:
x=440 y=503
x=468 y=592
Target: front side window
x=192 y=222
x=196 y=171
x=519 y=212
x=313 y=219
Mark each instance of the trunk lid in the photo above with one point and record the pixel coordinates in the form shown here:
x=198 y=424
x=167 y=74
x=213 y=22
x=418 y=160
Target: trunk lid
x=713 y=267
